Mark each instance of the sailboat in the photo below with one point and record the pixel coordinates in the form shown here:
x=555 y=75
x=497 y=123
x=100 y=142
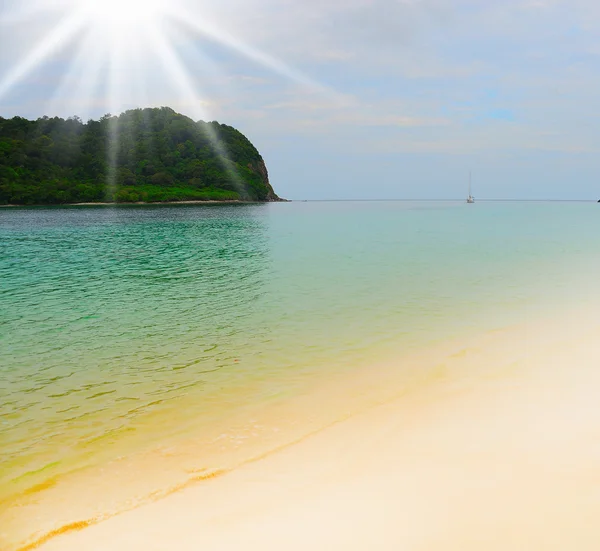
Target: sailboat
x=470 y=198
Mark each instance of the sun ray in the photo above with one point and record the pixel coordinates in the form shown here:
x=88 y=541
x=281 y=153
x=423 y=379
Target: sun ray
x=174 y=31
x=203 y=27
x=176 y=69
x=115 y=88
x=25 y=11
x=53 y=42
x=83 y=77
x=131 y=28
x=126 y=14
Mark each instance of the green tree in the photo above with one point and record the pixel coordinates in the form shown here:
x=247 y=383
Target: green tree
x=148 y=154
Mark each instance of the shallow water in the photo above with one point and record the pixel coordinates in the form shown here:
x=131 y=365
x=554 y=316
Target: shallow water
x=124 y=329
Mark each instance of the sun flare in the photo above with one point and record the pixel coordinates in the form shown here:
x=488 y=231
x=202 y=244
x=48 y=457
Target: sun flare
x=122 y=13
x=119 y=54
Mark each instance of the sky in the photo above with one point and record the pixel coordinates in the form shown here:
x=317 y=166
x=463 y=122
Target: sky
x=345 y=99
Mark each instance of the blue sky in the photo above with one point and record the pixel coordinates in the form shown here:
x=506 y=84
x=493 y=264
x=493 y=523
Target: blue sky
x=345 y=99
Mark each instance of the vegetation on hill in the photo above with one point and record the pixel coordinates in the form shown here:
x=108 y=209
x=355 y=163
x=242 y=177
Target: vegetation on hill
x=148 y=155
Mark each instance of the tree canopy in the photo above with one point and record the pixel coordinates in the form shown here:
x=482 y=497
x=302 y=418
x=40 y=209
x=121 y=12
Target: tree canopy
x=148 y=155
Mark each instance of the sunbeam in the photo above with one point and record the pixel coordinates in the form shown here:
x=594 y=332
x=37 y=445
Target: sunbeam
x=202 y=27
x=125 y=34
x=55 y=40
x=84 y=77
x=122 y=13
x=177 y=71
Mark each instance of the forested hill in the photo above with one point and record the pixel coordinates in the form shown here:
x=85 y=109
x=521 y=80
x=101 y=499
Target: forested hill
x=142 y=155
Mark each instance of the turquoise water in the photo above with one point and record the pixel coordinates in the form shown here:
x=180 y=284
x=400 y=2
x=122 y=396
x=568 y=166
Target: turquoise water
x=122 y=328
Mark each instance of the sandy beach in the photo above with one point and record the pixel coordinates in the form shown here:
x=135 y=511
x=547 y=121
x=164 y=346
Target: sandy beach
x=496 y=449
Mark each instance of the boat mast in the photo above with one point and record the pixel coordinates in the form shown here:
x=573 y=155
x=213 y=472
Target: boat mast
x=470 y=197
x=469 y=184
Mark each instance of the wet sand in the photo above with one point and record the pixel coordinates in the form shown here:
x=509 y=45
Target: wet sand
x=497 y=448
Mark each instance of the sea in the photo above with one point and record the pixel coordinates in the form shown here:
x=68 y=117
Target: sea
x=145 y=348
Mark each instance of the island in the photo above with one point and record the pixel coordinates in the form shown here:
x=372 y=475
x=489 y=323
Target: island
x=143 y=155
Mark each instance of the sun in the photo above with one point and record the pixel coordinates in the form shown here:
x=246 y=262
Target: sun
x=122 y=13
x=119 y=54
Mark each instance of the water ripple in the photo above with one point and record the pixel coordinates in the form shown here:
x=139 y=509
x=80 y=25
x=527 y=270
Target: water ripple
x=110 y=318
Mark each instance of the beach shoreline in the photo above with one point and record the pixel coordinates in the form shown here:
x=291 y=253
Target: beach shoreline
x=486 y=382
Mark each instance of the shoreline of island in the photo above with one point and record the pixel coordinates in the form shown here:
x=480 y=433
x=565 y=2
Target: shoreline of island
x=146 y=203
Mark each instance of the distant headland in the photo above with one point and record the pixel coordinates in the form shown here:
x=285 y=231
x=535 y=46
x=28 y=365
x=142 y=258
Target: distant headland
x=143 y=155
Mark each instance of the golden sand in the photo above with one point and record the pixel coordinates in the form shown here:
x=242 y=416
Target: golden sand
x=495 y=446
